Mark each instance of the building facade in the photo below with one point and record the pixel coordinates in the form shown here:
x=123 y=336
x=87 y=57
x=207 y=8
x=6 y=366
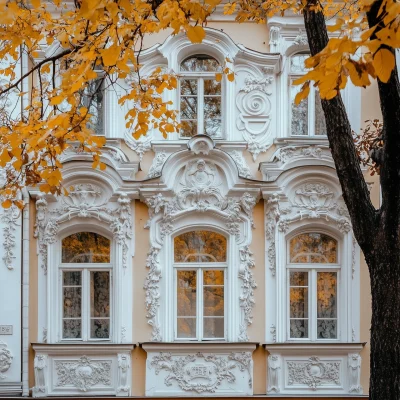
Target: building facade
x=217 y=262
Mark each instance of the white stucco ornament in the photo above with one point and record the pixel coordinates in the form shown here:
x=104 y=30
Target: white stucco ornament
x=5 y=359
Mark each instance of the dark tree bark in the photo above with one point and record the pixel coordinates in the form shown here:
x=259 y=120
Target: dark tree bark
x=377 y=231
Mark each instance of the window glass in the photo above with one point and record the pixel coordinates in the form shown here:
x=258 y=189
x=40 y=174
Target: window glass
x=327 y=305
x=320 y=126
x=200 y=63
x=200 y=246
x=186 y=304
x=100 y=304
x=298 y=305
x=92 y=98
x=85 y=247
x=299 y=121
x=72 y=305
x=313 y=248
x=213 y=302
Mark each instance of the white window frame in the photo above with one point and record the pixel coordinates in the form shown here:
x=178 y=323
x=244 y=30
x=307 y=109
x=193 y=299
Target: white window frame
x=85 y=268
x=199 y=268
x=201 y=77
x=312 y=269
x=85 y=305
x=311 y=102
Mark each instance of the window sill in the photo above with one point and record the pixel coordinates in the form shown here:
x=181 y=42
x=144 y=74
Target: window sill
x=206 y=346
x=314 y=347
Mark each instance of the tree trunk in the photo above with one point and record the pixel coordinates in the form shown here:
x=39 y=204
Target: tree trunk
x=377 y=231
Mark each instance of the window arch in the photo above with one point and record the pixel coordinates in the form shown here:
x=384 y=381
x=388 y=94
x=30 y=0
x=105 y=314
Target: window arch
x=86 y=287
x=200 y=266
x=313 y=287
x=200 y=96
x=306 y=118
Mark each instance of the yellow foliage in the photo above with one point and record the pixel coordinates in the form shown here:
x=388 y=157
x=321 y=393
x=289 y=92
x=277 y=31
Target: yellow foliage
x=105 y=36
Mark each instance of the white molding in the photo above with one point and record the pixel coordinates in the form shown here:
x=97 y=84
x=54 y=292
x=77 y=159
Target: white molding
x=202 y=369
x=316 y=369
x=82 y=369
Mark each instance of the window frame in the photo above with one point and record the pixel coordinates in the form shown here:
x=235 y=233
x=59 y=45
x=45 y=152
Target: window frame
x=201 y=76
x=311 y=109
x=85 y=269
x=199 y=267
x=312 y=269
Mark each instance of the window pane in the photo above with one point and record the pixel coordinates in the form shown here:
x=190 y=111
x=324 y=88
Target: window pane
x=187 y=293
x=298 y=303
x=72 y=329
x=212 y=108
x=200 y=246
x=327 y=329
x=99 y=293
x=313 y=248
x=188 y=107
x=72 y=302
x=212 y=87
x=213 y=301
x=297 y=63
x=186 y=328
x=72 y=278
x=188 y=128
x=213 y=328
x=100 y=328
x=85 y=247
x=320 y=126
x=299 y=328
x=327 y=294
x=92 y=98
x=298 y=278
x=213 y=127
x=189 y=87
x=299 y=123
x=213 y=277
x=200 y=63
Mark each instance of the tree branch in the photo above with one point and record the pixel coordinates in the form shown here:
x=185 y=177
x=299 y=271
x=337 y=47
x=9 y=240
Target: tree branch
x=355 y=191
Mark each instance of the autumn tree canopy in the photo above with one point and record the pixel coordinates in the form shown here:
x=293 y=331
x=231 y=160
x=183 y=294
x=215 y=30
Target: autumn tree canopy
x=66 y=44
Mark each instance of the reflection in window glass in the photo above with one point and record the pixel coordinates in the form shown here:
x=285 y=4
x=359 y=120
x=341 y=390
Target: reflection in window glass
x=327 y=305
x=72 y=305
x=85 y=247
x=299 y=121
x=100 y=304
x=213 y=304
x=313 y=248
x=298 y=305
x=200 y=246
x=200 y=63
x=186 y=304
x=92 y=98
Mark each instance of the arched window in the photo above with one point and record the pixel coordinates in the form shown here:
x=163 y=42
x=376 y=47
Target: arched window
x=313 y=276
x=307 y=118
x=200 y=97
x=86 y=286
x=200 y=269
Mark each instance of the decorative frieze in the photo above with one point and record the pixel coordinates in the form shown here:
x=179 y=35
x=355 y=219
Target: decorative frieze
x=313 y=373
x=10 y=218
x=274 y=366
x=83 y=374
x=354 y=374
x=40 y=365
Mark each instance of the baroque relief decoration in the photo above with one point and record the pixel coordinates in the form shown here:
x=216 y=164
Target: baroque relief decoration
x=287 y=153
x=10 y=219
x=313 y=373
x=354 y=364
x=83 y=373
x=124 y=364
x=254 y=113
x=84 y=201
x=40 y=365
x=243 y=168
x=5 y=359
x=273 y=373
x=202 y=372
x=157 y=164
x=140 y=146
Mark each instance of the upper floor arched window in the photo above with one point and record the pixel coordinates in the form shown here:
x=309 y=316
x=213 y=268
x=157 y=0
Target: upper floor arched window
x=86 y=286
x=313 y=279
x=306 y=118
x=200 y=97
x=200 y=275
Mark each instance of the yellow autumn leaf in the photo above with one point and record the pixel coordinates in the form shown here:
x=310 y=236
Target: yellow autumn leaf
x=56 y=100
x=231 y=77
x=304 y=92
x=383 y=63
x=6 y=203
x=196 y=34
x=110 y=55
x=218 y=77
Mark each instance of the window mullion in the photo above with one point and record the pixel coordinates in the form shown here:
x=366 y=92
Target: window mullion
x=200 y=304
x=200 y=106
